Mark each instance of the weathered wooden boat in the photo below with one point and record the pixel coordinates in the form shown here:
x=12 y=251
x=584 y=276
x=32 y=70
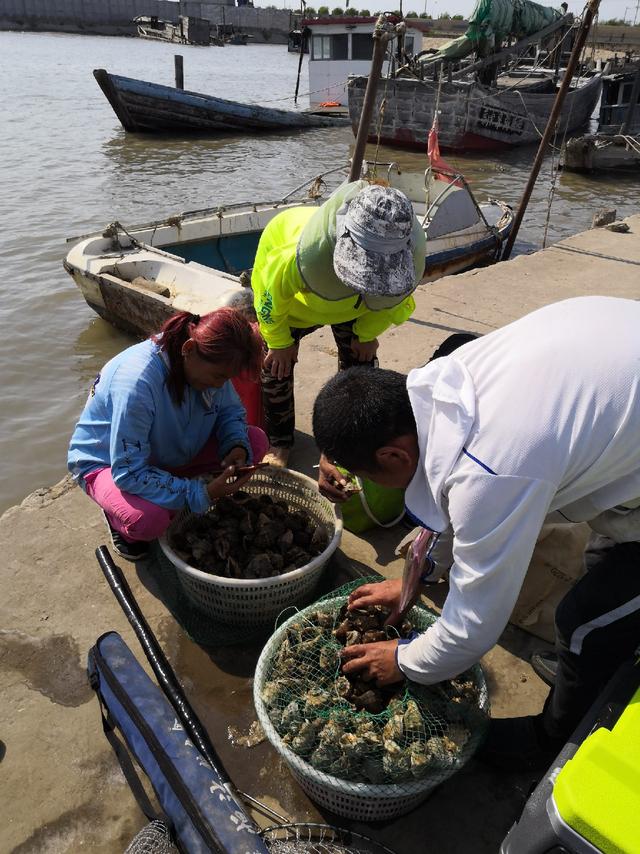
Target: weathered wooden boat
x=601 y=153
x=136 y=277
x=144 y=107
x=187 y=30
x=502 y=99
x=616 y=144
x=471 y=116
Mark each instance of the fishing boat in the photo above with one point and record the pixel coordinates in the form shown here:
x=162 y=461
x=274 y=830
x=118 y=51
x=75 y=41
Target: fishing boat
x=616 y=143
x=472 y=116
x=502 y=99
x=136 y=277
x=144 y=107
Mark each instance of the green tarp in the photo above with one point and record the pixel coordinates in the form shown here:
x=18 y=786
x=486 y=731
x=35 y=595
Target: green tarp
x=492 y=21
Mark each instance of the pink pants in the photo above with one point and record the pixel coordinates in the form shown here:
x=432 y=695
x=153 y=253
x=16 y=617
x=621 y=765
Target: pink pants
x=138 y=519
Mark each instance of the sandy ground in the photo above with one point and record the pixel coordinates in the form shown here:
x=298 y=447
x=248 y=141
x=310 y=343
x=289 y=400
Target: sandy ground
x=60 y=786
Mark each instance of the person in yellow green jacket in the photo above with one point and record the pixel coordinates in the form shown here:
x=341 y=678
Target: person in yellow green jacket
x=351 y=264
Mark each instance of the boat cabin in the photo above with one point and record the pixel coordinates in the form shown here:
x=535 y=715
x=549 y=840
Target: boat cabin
x=343 y=46
x=619 y=105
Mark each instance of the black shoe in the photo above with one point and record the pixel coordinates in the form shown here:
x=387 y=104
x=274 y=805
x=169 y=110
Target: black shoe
x=545 y=664
x=132 y=551
x=519 y=744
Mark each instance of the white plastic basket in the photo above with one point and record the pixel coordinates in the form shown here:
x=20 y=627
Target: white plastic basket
x=254 y=602
x=358 y=801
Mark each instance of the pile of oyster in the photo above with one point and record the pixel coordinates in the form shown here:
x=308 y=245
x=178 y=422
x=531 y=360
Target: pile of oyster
x=352 y=729
x=249 y=536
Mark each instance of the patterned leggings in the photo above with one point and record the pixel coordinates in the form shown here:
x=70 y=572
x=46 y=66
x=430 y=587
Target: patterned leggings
x=277 y=395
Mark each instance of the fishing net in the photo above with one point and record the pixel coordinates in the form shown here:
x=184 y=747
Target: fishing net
x=302 y=838
x=154 y=838
x=351 y=729
x=308 y=838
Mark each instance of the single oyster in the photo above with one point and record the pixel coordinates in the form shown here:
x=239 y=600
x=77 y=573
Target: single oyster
x=315 y=700
x=273 y=691
x=443 y=751
x=412 y=718
x=324 y=756
x=342 y=687
x=458 y=734
x=305 y=739
x=419 y=759
x=396 y=762
x=353 y=746
x=394 y=728
x=329 y=659
x=331 y=733
x=291 y=717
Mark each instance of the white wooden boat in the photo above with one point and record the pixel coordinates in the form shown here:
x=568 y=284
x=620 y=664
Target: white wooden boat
x=138 y=276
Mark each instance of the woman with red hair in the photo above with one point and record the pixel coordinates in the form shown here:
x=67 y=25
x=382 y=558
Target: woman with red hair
x=160 y=414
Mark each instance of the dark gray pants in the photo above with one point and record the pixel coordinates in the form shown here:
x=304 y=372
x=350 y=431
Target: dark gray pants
x=597 y=628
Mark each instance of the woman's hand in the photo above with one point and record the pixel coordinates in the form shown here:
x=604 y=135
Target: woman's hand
x=235 y=457
x=385 y=593
x=375 y=662
x=331 y=481
x=225 y=484
x=364 y=351
x=280 y=362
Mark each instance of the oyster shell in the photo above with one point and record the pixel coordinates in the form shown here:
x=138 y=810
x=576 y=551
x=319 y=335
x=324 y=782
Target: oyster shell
x=291 y=718
x=305 y=739
x=396 y=761
x=412 y=718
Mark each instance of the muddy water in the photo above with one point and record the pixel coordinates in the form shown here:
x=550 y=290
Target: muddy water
x=69 y=168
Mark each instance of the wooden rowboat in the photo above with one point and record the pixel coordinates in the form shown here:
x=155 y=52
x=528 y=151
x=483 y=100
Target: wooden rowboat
x=144 y=107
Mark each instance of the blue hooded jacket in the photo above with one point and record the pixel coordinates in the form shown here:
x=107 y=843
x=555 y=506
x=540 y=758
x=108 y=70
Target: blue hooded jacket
x=132 y=424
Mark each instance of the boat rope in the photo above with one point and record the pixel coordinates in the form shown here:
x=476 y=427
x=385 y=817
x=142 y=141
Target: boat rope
x=631 y=142
x=312 y=181
x=383 y=104
x=555 y=169
x=552 y=186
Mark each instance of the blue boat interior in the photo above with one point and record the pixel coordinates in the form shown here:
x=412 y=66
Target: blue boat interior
x=231 y=253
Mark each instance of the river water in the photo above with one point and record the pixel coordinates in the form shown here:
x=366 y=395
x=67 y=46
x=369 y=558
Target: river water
x=69 y=168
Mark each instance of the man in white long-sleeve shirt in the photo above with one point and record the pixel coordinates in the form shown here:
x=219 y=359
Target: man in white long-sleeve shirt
x=539 y=420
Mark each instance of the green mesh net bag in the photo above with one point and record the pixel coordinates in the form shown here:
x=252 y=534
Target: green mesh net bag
x=347 y=741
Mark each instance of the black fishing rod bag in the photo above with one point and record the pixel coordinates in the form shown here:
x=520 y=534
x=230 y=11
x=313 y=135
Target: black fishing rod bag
x=139 y=722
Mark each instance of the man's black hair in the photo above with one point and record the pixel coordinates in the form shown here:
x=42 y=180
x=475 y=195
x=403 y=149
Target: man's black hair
x=452 y=343
x=358 y=411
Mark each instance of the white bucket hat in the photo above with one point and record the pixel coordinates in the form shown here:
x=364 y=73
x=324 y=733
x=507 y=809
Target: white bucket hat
x=364 y=240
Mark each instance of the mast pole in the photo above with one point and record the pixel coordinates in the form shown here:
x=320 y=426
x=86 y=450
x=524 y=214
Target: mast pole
x=381 y=36
x=583 y=32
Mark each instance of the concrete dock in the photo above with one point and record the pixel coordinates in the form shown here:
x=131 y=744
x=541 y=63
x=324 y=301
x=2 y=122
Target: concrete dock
x=60 y=785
